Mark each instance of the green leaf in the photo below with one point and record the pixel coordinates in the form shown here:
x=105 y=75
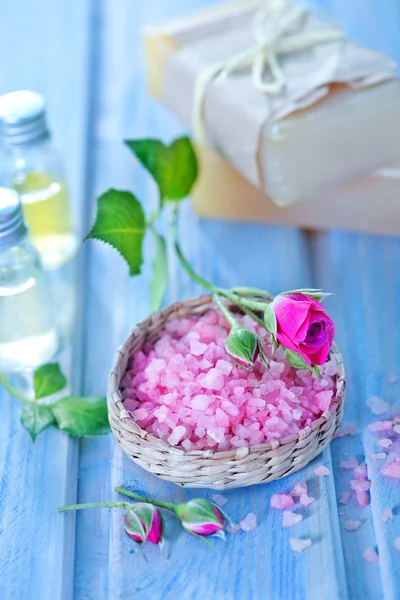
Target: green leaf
x=270 y=320
x=81 y=416
x=316 y=371
x=174 y=168
x=316 y=293
x=36 y=418
x=47 y=380
x=159 y=280
x=120 y=222
x=296 y=360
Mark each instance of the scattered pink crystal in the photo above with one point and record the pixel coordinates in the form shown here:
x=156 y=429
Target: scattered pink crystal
x=392 y=469
x=360 y=485
x=380 y=426
x=185 y=390
x=219 y=499
x=298 y=545
x=306 y=500
x=281 y=501
x=387 y=514
x=344 y=498
x=349 y=430
x=290 y=518
x=350 y=463
x=352 y=525
x=249 y=522
x=360 y=472
x=362 y=499
x=385 y=442
x=233 y=528
x=299 y=489
x=377 y=405
x=371 y=556
x=378 y=455
x=321 y=471
x=397 y=543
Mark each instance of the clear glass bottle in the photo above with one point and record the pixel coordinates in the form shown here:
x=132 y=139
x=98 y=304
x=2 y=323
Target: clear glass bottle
x=30 y=164
x=27 y=335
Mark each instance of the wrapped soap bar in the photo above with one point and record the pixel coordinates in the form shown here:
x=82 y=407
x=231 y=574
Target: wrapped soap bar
x=370 y=204
x=288 y=100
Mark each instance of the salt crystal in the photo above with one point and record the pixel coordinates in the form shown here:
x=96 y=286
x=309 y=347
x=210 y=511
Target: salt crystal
x=141 y=414
x=322 y=471
x=249 y=522
x=176 y=435
x=233 y=528
x=352 y=525
x=392 y=469
x=362 y=499
x=299 y=489
x=380 y=426
x=397 y=543
x=351 y=463
x=360 y=485
x=298 y=545
x=378 y=455
x=360 y=472
x=344 y=498
x=306 y=500
x=385 y=442
x=396 y=428
x=323 y=399
x=370 y=555
x=377 y=405
x=222 y=418
x=200 y=402
x=197 y=348
x=387 y=514
x=213 y=380
x=219 y=499
x=290 y=518
x=281 y=501
x=224 y=366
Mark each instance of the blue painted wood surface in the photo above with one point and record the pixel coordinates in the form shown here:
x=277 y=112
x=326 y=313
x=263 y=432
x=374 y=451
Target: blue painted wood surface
x=85 y=56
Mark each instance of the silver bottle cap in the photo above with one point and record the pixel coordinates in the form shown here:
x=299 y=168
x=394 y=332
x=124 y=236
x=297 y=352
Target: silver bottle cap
x=12 y=224
x=22 y=118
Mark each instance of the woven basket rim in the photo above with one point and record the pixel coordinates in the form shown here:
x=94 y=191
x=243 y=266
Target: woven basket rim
x=114 y=395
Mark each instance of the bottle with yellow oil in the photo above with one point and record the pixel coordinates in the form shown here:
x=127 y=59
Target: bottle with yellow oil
x=30 y=164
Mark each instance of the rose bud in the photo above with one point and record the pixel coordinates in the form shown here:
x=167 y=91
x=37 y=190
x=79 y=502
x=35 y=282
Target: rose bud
x=243 y=346
x=303 y=326
x=200 y=517
x=144 y=523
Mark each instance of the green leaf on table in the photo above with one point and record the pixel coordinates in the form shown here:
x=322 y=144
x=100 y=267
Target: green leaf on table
x=81 y=416
x=159 y=279
x=296 y=360
x=174 y=168
x=35 y=418
x=47 y=380
x=120 y=222
x=270 y=320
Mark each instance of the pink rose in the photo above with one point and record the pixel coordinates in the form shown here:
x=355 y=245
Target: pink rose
x=304 y=327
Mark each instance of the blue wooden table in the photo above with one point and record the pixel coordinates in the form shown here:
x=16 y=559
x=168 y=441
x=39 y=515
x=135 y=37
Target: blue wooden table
x=85 y=57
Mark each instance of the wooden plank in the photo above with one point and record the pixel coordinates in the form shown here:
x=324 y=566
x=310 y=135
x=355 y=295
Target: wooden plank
x=46 y=49
x=362 y=271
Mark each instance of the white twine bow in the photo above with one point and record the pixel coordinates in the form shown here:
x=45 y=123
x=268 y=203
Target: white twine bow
x=273 y=23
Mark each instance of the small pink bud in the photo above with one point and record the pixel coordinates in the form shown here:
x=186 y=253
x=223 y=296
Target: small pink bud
x=243 y=346
x=144 y=523
x=199 y=516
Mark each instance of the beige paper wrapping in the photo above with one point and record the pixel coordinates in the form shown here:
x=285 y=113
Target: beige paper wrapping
x=235 y=113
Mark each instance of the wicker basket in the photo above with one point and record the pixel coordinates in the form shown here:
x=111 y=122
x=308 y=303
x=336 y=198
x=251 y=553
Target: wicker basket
x=207 y=468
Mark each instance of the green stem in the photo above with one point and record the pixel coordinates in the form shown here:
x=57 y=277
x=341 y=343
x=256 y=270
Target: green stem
x=228 y=316
x=10 y=388
x=159 y=503
x=251 y=291
x=125 y=505
x=256 y=305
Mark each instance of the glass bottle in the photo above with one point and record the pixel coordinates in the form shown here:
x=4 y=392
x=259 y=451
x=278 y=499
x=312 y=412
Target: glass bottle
x=27 y=335
x=30 y=164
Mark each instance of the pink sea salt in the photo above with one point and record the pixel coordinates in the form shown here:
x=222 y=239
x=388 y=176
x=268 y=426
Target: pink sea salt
x=387 y=514
x=350 y=463
x=290 y=518
x=185 y=390
x=360 y=472
x=299 y=489
x=249 y=522
x=385 y=442
x=281 y=501
x=344 y=498
x=321 y=471
x=306 y=500
x=378 y=455
x=377 y=405
x=380 y=426
x=392 y=469
x=234 y=528
x=219 y=499
x=298 y=545
x=370 y=555
x=352 y=525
